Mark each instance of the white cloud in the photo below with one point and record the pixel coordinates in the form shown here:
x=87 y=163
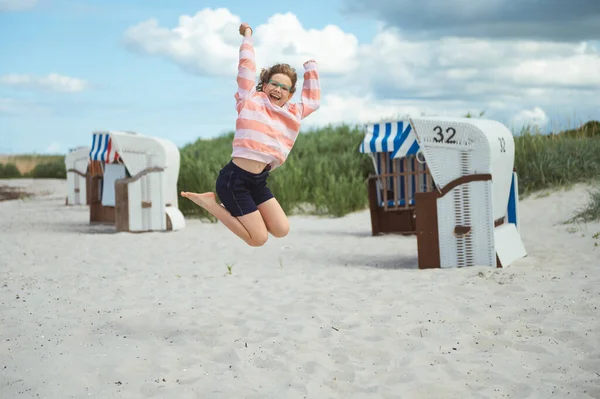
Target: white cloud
x=9 y=106
x=53 y=148
x=581 y=70
x=469 y=68
x=535 y=117
x=202 y=44
x=283 y=39
x=51 y=82
x=513 y=81
x=208 y=43
x=360 y=109
x=337 y=108
x=16 y=5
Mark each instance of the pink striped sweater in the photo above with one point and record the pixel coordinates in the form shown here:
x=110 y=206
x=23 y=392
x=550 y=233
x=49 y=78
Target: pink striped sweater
x=265 y=132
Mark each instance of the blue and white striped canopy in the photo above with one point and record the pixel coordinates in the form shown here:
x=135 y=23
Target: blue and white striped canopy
x=395 y=137
x=103 y=148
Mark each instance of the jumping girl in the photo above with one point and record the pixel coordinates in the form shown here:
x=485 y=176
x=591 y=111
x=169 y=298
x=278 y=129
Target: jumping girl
x=266 y=130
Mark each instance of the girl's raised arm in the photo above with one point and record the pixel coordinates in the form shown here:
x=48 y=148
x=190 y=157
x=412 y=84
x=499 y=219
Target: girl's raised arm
x=246 y=65
x=311 y=90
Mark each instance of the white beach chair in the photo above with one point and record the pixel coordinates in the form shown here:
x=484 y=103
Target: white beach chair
x=145 y=199
x=468 y=220
x=76 y=164
x=451 y=182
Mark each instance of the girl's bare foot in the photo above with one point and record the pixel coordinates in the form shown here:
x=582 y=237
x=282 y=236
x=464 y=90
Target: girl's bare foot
x=205 y=200
x=251 y=227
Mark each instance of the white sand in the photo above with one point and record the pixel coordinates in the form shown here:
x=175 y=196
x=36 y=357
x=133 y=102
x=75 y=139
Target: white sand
x=327 y=312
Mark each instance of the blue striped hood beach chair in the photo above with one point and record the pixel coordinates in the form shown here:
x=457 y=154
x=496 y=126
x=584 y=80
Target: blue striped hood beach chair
x=451 y=181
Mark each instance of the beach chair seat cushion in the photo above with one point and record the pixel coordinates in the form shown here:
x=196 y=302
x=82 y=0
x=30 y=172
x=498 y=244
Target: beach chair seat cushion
x=400 y=202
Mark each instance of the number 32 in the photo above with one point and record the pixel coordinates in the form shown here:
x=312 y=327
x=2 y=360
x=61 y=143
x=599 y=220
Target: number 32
x=439 y=137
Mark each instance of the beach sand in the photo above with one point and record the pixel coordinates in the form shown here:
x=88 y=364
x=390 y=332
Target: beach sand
x=327 y=312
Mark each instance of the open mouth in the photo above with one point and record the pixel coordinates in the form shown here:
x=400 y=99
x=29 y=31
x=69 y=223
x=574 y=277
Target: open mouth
x=275 y=97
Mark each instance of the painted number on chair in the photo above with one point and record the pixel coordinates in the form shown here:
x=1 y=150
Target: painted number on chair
x=502 y=144
x=440 y=137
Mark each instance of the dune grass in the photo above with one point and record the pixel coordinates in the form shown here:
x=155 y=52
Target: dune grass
x=590 y=212
x=32 y=166
x=26 y=163
x=555 y=161
x=326 y=175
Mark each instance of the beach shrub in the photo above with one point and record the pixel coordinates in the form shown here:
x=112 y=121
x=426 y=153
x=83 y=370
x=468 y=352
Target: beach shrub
x=588 y=129
x=591 y=212
x=324 y=174
x=9 y=171
x=199 y=167
x=555 y=161
x=55 y=169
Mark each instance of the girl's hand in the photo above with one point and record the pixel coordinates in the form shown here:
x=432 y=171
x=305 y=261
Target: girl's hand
x=243 y=28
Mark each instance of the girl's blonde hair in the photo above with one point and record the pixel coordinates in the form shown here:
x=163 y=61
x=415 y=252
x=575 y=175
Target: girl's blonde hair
x=267 y=74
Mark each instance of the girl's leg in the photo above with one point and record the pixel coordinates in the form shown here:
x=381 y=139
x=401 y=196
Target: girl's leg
x=274 y=218
x=250 y=228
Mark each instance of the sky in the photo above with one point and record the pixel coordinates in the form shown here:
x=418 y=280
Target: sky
x=168 y=68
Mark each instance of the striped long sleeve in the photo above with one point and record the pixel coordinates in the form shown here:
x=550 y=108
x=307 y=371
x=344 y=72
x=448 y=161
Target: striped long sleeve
x=246 y=71
x=311 y=90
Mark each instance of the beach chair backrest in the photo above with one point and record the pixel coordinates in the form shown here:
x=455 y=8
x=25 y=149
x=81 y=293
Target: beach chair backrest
x=393 y=147
x=400 y=179
x=76 y=163
x=141 y=152
x=456 y=147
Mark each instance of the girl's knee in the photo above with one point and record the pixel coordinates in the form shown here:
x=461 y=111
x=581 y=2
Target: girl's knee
x=258 y=240
x=281 y=230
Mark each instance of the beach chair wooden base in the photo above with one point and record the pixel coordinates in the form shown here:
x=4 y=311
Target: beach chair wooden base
x=428 y=236
x=136 y=204
x=399 y=174
x=99 y=214
x=88 y=189
x=139 y=208
x=400 y=220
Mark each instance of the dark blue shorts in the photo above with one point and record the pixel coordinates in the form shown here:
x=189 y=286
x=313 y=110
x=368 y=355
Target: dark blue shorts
x=241 y=191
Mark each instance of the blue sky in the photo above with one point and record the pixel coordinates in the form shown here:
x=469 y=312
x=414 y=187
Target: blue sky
x=113 y=70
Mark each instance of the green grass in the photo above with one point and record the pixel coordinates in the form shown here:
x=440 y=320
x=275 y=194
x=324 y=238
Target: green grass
x=9 y=171
x=588 y=129
x=326 y=175
x=557 y=161
x=33 y=166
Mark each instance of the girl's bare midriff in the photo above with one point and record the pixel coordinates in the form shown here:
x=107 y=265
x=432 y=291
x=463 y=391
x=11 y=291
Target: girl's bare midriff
x=250 y=165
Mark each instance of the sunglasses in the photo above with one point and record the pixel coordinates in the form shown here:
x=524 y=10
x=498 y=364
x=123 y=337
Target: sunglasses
x=280 y=85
